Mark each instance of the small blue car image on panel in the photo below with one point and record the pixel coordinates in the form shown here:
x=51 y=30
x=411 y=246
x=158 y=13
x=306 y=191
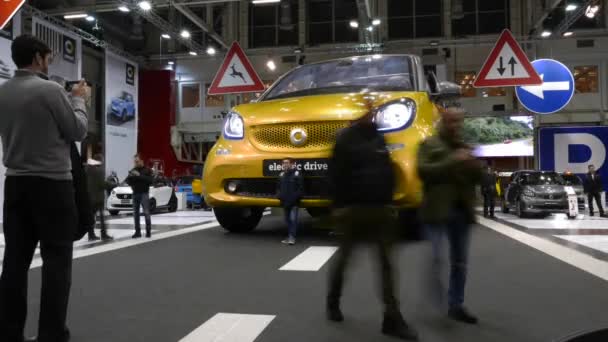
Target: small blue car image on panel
x=123 y=107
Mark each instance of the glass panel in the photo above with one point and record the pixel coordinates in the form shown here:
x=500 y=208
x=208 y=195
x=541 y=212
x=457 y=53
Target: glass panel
x=428 y=27
x=428 y=7
x=346 y=10
x=401 y=28
x=319 y=11
x=470 y=5
x=465 y=79
x=586 y=79
x=319 y=33
x=191 y=95
x=214 y=100
x=288 y=37
x=492 y=22
x=492 y=5
x=400 y=8
x=263 y=15
x=263 y=36
x=345 y=33
x=464 y=26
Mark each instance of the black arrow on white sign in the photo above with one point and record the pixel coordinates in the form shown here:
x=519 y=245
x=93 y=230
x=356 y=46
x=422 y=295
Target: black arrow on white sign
x=501 y=69
x=512 y=62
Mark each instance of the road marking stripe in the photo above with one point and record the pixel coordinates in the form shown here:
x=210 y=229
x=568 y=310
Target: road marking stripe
x=133 y=242
x=225 y=327
x=568 y=255
x=312 y=259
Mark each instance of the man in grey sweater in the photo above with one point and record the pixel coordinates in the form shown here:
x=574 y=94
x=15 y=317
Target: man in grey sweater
x=39 y=121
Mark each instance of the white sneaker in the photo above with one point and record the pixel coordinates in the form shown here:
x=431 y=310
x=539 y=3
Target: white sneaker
x=289 y=241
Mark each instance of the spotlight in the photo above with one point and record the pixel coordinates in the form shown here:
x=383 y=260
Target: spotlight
x=376 y=22
x=261 y=2
x=75 y=16
x=591 y=11
x=124 y=9
x=193 y=53
x=354 y=24
x=568 y=34
x=185 y=34
x=165 y=36
x=271 y=65
x=370 y=28
x=90 y=18
x=211 y=51
x=571 y=7
x=546 y=34
x=170 y=62
x=145 y=5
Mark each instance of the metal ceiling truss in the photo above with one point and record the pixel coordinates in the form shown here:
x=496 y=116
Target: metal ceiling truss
x=570 y=19
x=34 y=12
x=200 y=23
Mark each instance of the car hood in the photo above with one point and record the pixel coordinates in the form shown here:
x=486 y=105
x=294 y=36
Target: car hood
x=547 y=189
x=123 y=190
x=340 y=107
x=117 y=101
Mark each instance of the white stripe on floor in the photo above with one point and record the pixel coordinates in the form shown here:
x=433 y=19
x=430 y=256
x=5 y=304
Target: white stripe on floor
x=312 y=259
x=573 y=257
x=225 y=327
x=134 y=242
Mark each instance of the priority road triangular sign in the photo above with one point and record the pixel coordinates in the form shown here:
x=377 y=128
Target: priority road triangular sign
x=506 y=66
x=236 y=75
x=8 y=8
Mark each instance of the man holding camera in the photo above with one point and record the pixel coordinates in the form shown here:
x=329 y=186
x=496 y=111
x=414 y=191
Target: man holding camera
x=38 y=124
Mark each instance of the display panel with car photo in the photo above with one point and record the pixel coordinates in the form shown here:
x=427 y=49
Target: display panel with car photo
x=505 y=136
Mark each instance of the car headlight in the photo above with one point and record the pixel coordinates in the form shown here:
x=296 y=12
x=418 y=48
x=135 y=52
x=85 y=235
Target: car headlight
x=113 y=193
x=234 y=127
x=529 y=193
x=396 y=115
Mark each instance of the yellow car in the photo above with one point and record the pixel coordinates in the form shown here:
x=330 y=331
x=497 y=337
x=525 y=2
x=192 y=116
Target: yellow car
x=299 y=117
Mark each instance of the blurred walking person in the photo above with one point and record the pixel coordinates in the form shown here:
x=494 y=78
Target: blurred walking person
x=363 y=182
x=97 y=186
x=449 y=173
x=593 y=188
x=489 y=192
x=140 y=179
x=38 y=125
x=290 y=191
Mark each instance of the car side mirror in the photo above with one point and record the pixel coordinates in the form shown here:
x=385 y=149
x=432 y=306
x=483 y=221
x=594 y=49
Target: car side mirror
x=442 y=90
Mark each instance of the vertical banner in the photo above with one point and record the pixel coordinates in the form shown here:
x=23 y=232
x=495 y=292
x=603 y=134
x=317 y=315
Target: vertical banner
x=66 y=46
x=121 y=114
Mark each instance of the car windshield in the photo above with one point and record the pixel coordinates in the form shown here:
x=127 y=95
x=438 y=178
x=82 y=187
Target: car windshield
x=379 y=73
x=572 y=180
x=543 y=179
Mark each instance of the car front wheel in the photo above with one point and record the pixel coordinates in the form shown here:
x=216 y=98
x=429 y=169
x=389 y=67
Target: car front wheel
x=521 y=212
x=173 y=204
x=239 y=220
x=152 y=205
x=504 y=207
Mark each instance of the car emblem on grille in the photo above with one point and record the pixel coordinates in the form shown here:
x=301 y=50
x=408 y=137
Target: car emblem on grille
x=550 y=196
x=298 y=136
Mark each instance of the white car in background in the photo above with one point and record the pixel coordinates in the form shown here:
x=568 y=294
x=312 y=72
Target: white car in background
x=162 y=197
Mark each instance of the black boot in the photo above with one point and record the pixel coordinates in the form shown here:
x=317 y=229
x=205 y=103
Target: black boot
x=93 y=237
x=333 y=311
x=394 y=325
x=137 y=234
x=148 y=233
x=105 y=236
x=461 y=314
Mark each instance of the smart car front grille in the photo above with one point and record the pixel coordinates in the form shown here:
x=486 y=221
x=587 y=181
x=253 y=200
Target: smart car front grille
x=314 y=187
x=123 y=196
x=277 y=137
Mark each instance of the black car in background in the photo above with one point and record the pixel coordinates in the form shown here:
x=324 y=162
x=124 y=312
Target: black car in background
x=535 y=192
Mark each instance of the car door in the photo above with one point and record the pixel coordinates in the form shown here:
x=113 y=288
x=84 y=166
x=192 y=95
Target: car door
x=163 y=192
x=512 y=189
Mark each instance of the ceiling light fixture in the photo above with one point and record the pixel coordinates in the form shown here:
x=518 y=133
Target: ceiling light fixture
x=170 y=62
x=568 y=34
x=145 y=5
x=193 y=53
x=571 y=7
x=90 y=18
x=434 y=43
x=75 y=16
x=271 y=65
x=370 y=28
x=165 y=36
x=211 y=51
x=185 y=34
x=354 y=24
x=545 y=34
x=124 y=9
x=261 y=2
x=591 y=11
x=376 y=22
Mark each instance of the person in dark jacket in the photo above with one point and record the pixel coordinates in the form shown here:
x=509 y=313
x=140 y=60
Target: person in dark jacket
x=363 y=181
x=290 y=191
x=111 y=182
x=488 y=191
x=449 y=173
x=140 y=179
x=97 y=185
x=593 y=188
x=86 y=219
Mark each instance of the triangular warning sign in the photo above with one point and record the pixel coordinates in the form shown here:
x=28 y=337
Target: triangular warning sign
x=506 y=66
x=8 y=9
x=236 y=75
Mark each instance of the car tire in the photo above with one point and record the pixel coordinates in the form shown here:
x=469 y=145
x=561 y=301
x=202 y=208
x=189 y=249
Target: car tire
x=152 y=205
x=503 y=206
x=114 y=212
x=318 y=212
x=521 y=213
x=173 y=204
x=239 y=220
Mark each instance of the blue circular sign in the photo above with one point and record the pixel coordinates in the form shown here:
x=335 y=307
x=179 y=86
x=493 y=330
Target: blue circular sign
x=555 y=92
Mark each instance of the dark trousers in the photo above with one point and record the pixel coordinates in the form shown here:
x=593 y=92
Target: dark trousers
x=598 y=199
x=291 y=218
x=37 y=210
x=361 y=224
x=458 y=232
x=142 y=201
x=489 y=201
x=99 y=209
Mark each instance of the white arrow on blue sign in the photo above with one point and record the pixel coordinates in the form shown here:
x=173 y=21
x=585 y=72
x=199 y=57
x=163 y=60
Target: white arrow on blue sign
x=555 y=92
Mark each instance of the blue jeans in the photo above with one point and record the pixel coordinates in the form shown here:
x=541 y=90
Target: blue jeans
x=142 y=200
x=458 y=232
x=291 y=218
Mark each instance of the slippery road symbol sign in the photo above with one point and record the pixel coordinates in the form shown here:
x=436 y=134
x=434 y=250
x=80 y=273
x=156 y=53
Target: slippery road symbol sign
x=507 y=65
x=553 y=94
